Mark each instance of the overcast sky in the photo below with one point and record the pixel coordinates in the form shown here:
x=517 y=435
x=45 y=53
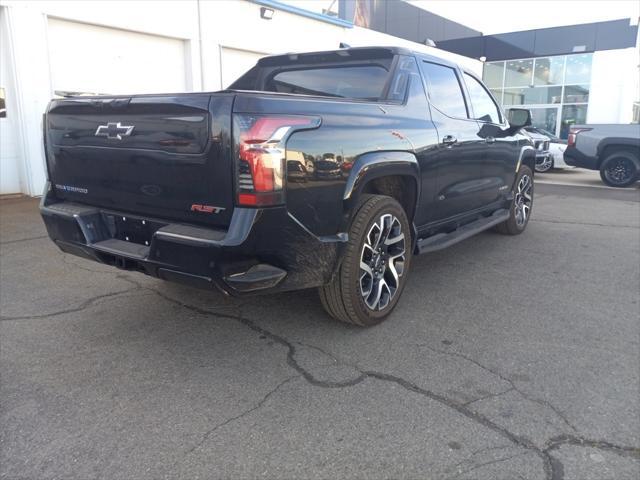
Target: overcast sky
x=499 y=16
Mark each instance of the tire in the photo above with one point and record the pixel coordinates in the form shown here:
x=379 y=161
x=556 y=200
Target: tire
x=547 y=166
x=522 y=205
x=619 y=169
x=362 y=296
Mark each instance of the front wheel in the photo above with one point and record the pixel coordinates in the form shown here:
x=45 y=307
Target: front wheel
x=375 y=265
x=522 y=204
x=620 y=169
x=545 y=164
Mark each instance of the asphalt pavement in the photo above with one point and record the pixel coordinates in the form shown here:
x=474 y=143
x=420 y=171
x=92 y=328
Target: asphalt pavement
x=507 y=358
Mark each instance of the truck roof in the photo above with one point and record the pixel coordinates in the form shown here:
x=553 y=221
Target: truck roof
x=354 y=53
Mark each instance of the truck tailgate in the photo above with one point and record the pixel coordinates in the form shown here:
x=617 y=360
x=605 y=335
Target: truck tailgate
x=165 y=156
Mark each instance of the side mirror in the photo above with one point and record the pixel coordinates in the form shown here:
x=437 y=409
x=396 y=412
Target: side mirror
x=519 y=118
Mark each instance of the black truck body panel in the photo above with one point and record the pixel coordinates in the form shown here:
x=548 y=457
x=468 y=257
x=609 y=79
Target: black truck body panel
x=177 y=155
x=164 y=198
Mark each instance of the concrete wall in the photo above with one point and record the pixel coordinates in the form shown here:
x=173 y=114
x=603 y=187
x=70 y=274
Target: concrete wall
x=614 y=86
x=11 y=151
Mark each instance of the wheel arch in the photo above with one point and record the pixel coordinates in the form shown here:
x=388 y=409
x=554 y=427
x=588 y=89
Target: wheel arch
x=528 y=158
x=396 y=174
x=613 y=144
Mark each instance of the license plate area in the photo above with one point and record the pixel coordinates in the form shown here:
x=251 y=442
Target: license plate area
x=131 y=229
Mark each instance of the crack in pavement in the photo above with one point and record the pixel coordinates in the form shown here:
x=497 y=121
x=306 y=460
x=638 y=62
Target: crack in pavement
x=476 y=466
x=83 y=306
x=553 y=467
x=28 y=239
x=557 y=468
x=543 y=403
x=210 y=432
x=564 y=439
x=491 y=395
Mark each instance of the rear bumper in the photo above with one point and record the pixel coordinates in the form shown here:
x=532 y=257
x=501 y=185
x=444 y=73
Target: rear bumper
x=575 y=158
x=263 y=250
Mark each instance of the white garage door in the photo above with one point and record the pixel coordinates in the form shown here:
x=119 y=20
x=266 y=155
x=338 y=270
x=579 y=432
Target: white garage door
x=89 y=58
x=10 y=152
x=235 y=63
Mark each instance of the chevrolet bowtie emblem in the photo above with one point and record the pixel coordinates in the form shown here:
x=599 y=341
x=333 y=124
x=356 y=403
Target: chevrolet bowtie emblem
x=114 y=131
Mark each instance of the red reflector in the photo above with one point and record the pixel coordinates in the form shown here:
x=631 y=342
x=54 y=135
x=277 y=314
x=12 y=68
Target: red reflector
x=247 y=199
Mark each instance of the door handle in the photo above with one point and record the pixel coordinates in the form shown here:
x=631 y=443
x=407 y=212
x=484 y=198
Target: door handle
x=490 y=140
x=449 y=140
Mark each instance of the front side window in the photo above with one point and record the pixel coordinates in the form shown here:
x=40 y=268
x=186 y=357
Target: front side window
x=445 y=91
x=364 y=82
x=484 y=108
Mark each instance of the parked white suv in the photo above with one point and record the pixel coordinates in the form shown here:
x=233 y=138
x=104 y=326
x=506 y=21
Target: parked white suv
x=556 y=148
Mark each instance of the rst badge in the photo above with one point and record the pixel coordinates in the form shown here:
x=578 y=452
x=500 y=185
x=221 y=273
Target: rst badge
x=114 y=130
x=196 y=207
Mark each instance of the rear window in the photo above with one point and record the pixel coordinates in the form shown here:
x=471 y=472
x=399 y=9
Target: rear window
x=364 y=82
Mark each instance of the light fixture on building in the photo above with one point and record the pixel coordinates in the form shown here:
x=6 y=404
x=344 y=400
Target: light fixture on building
x=266 y=13
x=483 y=59
x=429 y=43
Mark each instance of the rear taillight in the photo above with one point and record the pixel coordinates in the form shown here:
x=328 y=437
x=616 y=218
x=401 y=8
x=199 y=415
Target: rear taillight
x=573 y=135
x=260 y=155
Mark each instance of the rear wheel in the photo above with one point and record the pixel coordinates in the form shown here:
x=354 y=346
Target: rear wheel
x=522 y=204
x=374 y=269
x=620 y=169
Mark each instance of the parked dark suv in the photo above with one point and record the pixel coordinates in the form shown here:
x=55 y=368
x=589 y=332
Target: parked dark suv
x=390 y=152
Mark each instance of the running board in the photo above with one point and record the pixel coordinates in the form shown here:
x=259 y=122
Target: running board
x=444 y=240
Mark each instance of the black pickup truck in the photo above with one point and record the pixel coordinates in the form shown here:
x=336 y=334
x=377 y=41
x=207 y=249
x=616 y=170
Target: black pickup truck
x=326 y=169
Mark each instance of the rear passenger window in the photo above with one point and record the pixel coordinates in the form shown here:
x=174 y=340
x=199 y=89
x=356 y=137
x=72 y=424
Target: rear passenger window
x=364 y=82
x=445 y=92
x=484 y=108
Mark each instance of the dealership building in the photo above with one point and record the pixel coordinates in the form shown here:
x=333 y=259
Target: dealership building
x=583 y=73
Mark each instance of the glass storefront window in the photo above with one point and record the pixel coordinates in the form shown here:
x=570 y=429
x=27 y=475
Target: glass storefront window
x=555 y=89
x=532 y=95
x=549 y=71
x=578 y=69
x=518 y=73
x=576 y=94
x=493 y=74
x=572 y=115
x=545 y=118
x=497 y=93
